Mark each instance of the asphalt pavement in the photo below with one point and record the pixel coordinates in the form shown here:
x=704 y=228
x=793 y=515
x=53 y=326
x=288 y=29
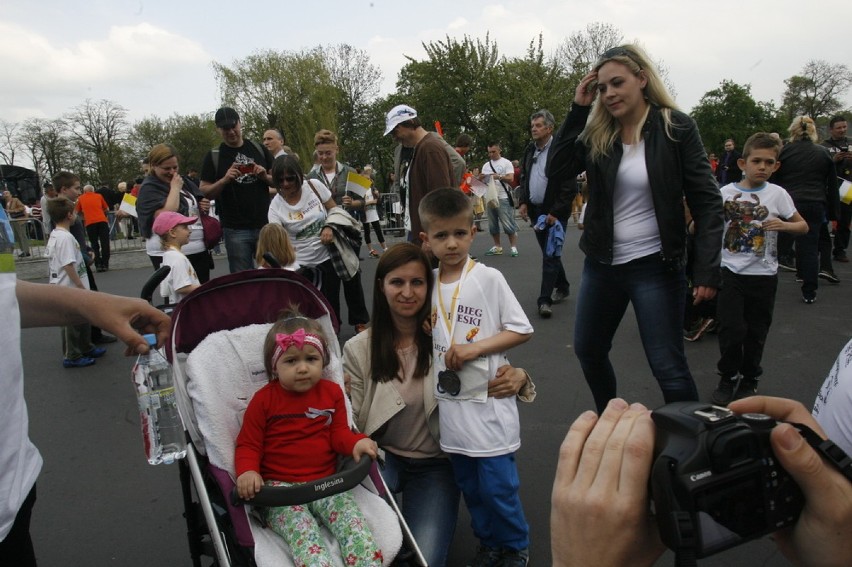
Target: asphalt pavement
x=100 y=503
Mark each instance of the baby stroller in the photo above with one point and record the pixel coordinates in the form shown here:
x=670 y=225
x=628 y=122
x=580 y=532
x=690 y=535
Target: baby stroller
x=216 y=354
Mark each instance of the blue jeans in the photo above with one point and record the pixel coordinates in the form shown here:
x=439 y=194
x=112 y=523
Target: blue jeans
x=657 y=291
x=490 y=486
x=504 y=216
x=430 y=502
x=241 y=244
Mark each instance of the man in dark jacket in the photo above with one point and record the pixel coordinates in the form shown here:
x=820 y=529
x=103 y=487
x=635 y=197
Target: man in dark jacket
x=838 y=147
x=549 y=197
x=728 y=171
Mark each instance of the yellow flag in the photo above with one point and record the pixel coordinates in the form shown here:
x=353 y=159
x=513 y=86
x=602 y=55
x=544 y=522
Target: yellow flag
x=128 y=204
x=358 y=184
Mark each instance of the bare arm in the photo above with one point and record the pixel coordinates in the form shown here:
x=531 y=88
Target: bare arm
x=44 y=305
x=71 y=270
x=457 y=355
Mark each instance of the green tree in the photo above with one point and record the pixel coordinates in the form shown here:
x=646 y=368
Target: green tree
x=816 y=91
x=292 y=91
x=48 y=145
x=731 y=112
x=100 y=133
x=580 y=50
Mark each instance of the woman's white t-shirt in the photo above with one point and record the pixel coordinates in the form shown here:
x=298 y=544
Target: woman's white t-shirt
x=304 y=222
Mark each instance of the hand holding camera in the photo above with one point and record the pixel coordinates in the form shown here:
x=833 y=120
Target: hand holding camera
x=601 y=506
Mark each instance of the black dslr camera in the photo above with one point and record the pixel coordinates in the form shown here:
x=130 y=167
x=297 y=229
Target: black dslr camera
x=715 y=481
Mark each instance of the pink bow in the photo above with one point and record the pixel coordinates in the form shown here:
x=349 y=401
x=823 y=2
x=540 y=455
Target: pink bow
x=296 y=339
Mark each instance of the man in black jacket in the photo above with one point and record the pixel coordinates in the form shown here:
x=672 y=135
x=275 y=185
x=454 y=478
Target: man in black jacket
x=549 y=197
x=838 y=146
x=728 y=171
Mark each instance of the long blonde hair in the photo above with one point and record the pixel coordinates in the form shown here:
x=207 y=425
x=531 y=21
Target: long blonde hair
x=273 y=238
x=602 y=129
x=803 y=128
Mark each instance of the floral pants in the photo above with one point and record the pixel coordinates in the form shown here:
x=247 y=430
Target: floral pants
x=340 y=514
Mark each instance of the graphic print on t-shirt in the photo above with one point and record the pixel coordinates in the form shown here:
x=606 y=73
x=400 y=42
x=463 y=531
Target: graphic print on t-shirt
x=744 y=216
x=244 y=164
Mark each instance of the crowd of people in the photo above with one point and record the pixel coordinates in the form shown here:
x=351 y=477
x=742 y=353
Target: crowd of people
x=666 y=228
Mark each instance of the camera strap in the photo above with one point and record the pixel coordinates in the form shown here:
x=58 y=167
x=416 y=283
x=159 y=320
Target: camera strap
x=828 y=449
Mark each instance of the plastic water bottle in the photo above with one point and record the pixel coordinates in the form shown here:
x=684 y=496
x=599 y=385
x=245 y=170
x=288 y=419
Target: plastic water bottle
x=162 y=428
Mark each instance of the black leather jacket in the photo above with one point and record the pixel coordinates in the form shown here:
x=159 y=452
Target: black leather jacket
x=677 y=168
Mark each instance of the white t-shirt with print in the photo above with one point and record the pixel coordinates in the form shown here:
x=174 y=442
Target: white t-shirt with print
x=303 y=222
x=746 y=248
x=181 y=275
x=472 y=423
x=501 y=167
x=20 y=461
x=831 y=408
x=62 y=249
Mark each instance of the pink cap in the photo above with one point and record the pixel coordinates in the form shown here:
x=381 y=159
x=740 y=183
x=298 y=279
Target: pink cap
x=167 y=220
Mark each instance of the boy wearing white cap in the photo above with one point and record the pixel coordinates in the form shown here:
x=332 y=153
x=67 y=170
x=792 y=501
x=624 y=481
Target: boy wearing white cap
x=174 y=230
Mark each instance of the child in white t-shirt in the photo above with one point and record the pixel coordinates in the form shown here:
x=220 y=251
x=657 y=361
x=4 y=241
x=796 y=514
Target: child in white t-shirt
x=475 y=319
x=67 y=268
x=755 y=211
x=174 y=230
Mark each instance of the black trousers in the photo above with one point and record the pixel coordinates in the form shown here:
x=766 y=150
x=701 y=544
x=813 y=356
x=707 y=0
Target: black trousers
x=16 y=550
x=745 y=308
x=98 y=233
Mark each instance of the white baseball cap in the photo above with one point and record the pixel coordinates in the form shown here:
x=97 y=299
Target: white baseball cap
x=397 y=115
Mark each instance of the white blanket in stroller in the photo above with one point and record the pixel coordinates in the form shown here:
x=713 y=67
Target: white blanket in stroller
x=223 y=373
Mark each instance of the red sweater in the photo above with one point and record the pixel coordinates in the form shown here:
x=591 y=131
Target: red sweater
x=281 y=442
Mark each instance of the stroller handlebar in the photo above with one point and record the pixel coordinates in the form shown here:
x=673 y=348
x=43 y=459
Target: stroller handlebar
x=349 y=476
x=158 y=276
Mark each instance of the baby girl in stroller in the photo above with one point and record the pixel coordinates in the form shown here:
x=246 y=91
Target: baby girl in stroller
x=293 y=430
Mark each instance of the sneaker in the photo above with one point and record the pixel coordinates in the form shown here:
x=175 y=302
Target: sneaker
x=78 y=362
x=96 y=352
x=787 y=264
x=724 y=393
x=808 y=300
x=829 y=276
x=799 y=279
x=545 y=311
x=485 y=557
x=559 y=295
x=748 y=387
x=495 y=251
x=513 y=558
x=514 y=252
x=698 y=329
x=841 y=258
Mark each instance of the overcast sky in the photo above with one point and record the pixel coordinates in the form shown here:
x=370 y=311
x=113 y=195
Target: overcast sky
x=154 y=57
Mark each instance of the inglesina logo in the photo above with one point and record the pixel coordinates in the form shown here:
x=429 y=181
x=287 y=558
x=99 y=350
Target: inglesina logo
x=327 y=484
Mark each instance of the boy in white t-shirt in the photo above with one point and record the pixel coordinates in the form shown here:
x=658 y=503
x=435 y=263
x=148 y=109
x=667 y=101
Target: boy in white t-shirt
x=475 y=319
x=755 y=211
x=174 y=231
x=67 y=268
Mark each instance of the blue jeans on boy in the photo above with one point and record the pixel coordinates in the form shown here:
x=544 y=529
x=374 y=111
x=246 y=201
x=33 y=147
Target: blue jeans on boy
x=241 y=245
x=490 y=486
x=657 y=291
x=430 y=501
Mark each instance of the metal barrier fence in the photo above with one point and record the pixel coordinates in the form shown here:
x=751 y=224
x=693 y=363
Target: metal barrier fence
x=31 y=236
x=391 y=214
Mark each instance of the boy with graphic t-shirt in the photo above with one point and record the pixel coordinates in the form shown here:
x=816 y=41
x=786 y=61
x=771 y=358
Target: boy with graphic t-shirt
x=67 y=268
x=475 y=319
x=755 y=211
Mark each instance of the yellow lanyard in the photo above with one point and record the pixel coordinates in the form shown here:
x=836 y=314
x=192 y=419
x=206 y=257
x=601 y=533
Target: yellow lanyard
x=449 y=318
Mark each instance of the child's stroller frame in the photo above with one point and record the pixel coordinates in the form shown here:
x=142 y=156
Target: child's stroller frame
x=250 y=297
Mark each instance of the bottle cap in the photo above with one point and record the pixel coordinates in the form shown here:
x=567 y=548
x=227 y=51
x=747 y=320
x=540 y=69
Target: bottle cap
x=151 y=339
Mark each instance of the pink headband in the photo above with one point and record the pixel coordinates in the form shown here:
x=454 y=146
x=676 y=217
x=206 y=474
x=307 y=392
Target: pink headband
x=298 y=339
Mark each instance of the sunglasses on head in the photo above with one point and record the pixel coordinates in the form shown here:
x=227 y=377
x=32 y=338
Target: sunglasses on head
x=616 y=52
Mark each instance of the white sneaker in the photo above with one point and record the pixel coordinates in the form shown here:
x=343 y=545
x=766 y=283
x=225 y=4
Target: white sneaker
x=495 y=251
x=514 y=252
